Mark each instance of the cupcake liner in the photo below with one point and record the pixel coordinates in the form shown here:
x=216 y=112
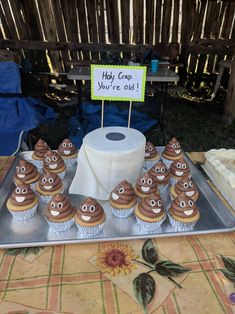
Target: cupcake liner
x=148 y=227
x=90 y=231
x=148 y=164
x=62 y=174
x=181 y=226
x=37 y=163
x=167 y=162
x=70 y=162
x=60 y=226
x=163 y=188
x=122 y=212
x=33 y=186
x=45 y=199
x=174 y=180
x=24 y=214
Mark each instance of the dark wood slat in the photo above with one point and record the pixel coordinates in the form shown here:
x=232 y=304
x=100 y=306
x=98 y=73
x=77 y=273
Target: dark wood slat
x=113 y=22
x=92 y=25
x=100 y=17
x=175 y=21
x=125 y=16
x=9 y=20
x=158 y=20
x=4 y=24
x=166 y=21
x=138 y=9
x=149 y=22
x=83 y=25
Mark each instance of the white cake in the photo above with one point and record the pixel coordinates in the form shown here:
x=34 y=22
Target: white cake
x=108 y=156
x=220 y=167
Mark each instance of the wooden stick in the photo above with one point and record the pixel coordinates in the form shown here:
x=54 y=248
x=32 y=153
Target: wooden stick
x=129 y=117
x=102 y=114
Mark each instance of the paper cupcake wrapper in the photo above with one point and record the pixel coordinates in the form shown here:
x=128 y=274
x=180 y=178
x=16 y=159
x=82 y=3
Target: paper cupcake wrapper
x=173 y=181
x=123 y=212
x=24 y=214
x=148 y=164
x=163 y=188
x=148 y=227
x=60 y=226
x=87 y=232
x=62 y=174
x=33 y=186
x=167 y=162
x=70 y=162
x=181 y=226
x=37 y=163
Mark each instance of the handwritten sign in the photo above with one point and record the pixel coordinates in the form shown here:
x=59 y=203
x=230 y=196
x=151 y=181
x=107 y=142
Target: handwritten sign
x=123 y=83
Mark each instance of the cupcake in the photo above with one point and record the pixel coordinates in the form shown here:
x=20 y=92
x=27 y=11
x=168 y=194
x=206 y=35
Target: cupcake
x=54 y=163
x=40 y=148
x=27 y=173
x=60 y=213
x=151 y=155
x=90 y=217
x=186 y=186
x=68 y=152
x=183 y=213
x=179 y=169
x=161 y=176
x=49 y=185
x=149 y=213
x=145 y=185
x=122 y=199
x=172 y=152
x=23 y=202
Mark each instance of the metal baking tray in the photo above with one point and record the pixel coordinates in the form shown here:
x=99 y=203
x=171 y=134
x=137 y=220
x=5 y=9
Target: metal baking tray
x=215 y=218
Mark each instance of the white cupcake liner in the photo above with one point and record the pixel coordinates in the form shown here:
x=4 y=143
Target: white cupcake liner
x=148 y=227
x=122 y=212
x=33 y=186
x=87 y=232
x=163 y=188
x=70 y=162
x=37 y=163
x=148 y=164
x=167 y=162
x=181 y=226
x=174 y=180
x=24 y=214
x=60 y=226
x=62 y=174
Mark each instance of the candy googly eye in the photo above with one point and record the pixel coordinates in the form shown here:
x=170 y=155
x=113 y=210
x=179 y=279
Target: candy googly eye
x=44 y=180
x=173 y=145
x=60 y=205
x=184 y=166
x=117 y=188
x=22 y=169
x=64 y=145
x=178 y=165
x=50 y=180
x=159 y=203
x=84 y=208
x=152 y=203
x=186 y=185
x=190 y=184
x=150 y=148
x=54 y=158
x=182 y=204
x=150 y=181
x=18 y=190
x=163 y=170
x=17 y=169
x=53 y=205
x=70 y=145
x=142 y=180
x=48 y=159
x=157 y=169
x=121 y=190
x=190 y=203
x=92 y=208
x=24 y=191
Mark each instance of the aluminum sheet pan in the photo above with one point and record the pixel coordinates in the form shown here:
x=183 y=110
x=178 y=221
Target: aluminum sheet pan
x=215 y=217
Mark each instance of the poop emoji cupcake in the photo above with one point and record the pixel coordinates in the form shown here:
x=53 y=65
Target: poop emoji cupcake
x=161 y=176
x=122 y=199
x=27 y=173
x=68 y=152
x=23 y=202
x=40 y=148
x=60 y=213
x=54 y=163
x=145 y=185
x=151 y=155
x=179 y=169
x=171 y=152
x=183 y=213
x=49 y=185
x=90 y=217
x=150 y=213
x=186 y=186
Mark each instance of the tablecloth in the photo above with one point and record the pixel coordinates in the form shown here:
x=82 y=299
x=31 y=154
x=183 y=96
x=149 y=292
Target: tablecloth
x=190 y=274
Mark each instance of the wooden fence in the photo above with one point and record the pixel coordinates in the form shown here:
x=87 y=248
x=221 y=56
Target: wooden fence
x=72 y=30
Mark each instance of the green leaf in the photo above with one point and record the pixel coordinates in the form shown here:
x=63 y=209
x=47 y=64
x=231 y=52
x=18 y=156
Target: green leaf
x=229 y=275
x=144 y=289
x=25 y=251
x=229 y=263
x=149 y=252
x=168 y=268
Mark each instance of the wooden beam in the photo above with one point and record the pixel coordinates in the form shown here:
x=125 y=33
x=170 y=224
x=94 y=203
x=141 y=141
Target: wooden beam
x=229 y=107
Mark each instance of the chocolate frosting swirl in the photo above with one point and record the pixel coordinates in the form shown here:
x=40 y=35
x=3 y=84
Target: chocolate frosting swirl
x=22 y=195
x=173 y=148
x=90 y=211
x=59 y=208
x=146 y=184
x=50 y=182
x=53 y=162
x=25 y=171
x=123 y=193
x=151 y=206
x=183 y=206
x=186 y=186
x=67 y=148
x=150 y=151
x=40 y=148
x=160 y=173
x=179 y=168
